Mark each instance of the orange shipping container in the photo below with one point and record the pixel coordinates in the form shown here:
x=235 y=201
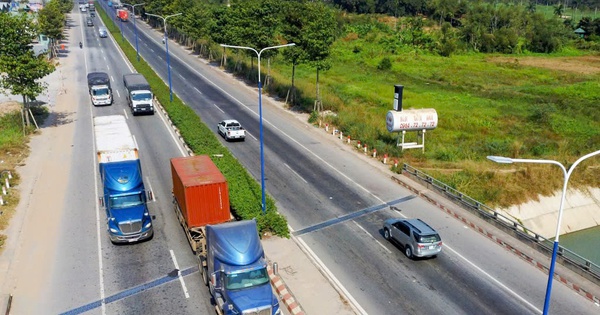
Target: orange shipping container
x=201 y=191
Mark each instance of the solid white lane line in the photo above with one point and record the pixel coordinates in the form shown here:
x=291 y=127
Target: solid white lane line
x=378 y=242
x=507 y=289
x=185 y=290
x=357 y=308
x=98 y=237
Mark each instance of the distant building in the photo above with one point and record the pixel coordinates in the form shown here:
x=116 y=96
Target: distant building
x=41 y=45
x=580 y=32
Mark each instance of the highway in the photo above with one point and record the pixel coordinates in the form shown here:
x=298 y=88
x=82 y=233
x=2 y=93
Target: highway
x=335 y=202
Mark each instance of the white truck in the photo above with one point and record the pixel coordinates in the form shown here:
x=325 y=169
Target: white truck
x=139 y=95
x=231 y=129
x=99 y=88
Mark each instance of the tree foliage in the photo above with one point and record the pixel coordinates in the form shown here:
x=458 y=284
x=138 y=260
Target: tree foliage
x=20 y=69
x=52 y=19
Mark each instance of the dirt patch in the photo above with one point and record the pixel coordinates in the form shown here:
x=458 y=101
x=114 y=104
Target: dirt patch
x=9 y=107
x=582 y=64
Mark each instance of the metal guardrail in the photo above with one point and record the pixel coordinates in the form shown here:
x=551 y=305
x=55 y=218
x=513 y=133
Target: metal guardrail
x=543 y=244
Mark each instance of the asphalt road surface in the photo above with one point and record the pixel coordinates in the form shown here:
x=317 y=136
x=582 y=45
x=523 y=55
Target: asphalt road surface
x=335 y=201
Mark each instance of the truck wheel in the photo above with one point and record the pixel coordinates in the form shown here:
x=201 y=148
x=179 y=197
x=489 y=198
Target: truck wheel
x=205 y=275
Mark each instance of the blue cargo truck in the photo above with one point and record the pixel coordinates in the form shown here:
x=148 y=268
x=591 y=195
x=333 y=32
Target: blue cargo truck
x=230 y=255
x=236 y=263
x=124 y=199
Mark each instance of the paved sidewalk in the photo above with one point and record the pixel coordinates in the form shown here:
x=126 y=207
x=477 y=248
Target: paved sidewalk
x=303 y=287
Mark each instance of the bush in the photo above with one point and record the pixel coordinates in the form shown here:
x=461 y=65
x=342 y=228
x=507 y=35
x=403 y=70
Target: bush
x=385 y=64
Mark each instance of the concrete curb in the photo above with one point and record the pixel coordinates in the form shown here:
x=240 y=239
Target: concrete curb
x=284 y=293
x=424 y=193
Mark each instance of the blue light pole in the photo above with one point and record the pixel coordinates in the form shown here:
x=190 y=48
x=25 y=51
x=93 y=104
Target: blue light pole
x=567 y=175
x=134 y=27
x=166 y=40
x=262 y=154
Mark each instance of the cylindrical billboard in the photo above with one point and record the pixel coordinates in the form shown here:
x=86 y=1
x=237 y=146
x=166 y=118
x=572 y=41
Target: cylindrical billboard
x=411 y=120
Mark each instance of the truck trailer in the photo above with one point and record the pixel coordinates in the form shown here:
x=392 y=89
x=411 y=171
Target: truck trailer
x=123 y=14
x=99 y=88
x=124 y=195
x=230 y=255
x=139 y=94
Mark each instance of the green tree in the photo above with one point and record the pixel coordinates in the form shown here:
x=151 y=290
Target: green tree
x=292 y=30
x=545 y=35
x=20 y=69
x=558 y=10
x=317 y=36
x=52 y=20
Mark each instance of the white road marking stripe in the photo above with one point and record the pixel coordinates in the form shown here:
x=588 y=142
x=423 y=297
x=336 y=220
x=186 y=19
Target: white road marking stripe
x=378 y=242
x=185 y=290
x=507 y=289
x=295 y=173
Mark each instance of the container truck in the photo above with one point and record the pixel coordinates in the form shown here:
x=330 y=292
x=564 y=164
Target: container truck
x=125 y=198
x=230 y=255
x=99 y=88
x=139 y=94
x=123 y=15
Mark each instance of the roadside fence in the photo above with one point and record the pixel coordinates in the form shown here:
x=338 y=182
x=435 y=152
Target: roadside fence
x=569 y=259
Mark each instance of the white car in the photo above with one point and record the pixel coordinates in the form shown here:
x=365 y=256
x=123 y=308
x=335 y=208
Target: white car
x=83 y=9
x=103 y=32
x=231 y=130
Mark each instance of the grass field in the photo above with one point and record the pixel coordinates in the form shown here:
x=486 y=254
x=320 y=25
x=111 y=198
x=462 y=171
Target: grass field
x=527 y=106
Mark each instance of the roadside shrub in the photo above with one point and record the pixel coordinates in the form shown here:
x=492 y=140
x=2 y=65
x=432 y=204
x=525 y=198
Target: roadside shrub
x=385 y=64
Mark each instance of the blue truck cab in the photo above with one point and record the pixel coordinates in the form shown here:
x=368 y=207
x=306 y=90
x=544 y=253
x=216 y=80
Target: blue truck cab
x=124 y=196
x=125 y=202
x=235 y=262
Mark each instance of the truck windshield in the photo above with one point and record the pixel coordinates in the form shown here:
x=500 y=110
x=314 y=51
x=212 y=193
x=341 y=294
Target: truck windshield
x=142 y=96
x=100 y=92
x=246 y=279
x=118 y=202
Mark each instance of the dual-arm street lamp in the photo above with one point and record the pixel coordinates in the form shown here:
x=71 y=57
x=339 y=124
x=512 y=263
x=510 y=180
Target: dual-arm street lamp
x=134 y=27
x=262 y=154
x=166 y=40
x=567 y=175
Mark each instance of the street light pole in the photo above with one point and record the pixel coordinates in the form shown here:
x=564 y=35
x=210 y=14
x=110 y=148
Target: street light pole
x=567 y=175
x=166 y=40
x=262 y=153
x=134 y=27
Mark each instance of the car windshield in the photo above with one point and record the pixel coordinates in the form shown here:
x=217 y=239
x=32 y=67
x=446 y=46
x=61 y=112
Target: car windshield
x=427 y=238
x=142 y=96
x=247 y=279
x=126 y=201
x=100 y=92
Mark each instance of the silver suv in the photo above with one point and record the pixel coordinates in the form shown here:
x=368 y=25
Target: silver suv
x=416 y=237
